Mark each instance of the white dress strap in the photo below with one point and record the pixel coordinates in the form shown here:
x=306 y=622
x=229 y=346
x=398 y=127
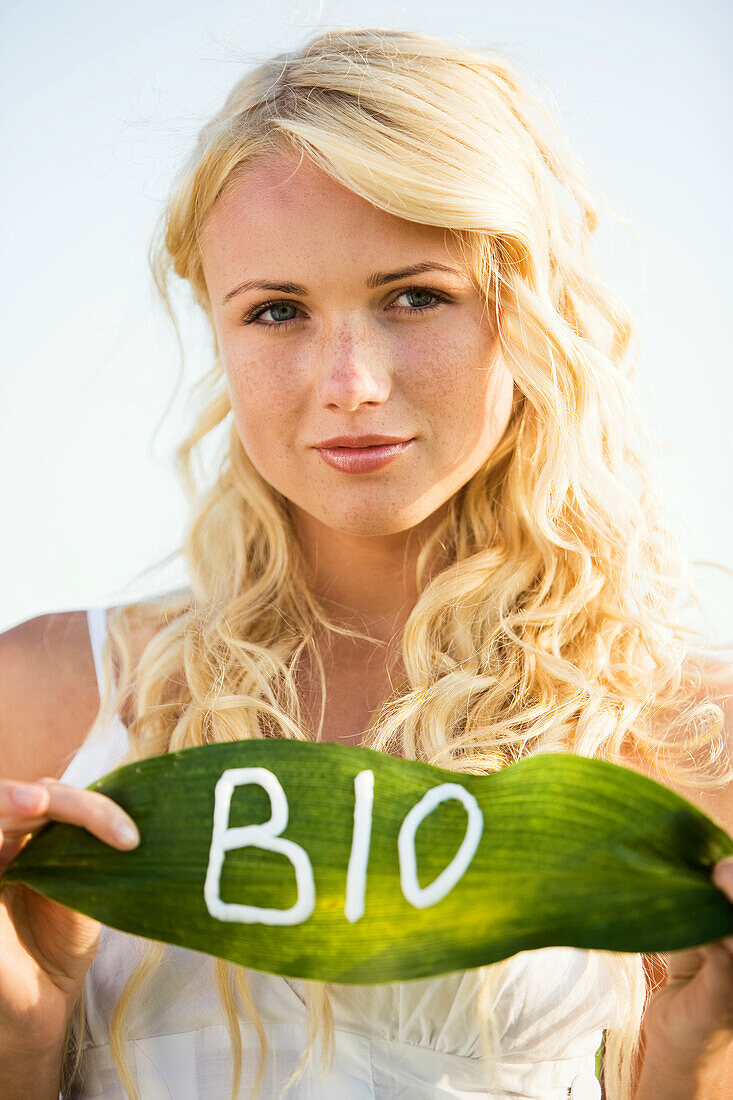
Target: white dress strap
x=102 y=748
x=97 y=624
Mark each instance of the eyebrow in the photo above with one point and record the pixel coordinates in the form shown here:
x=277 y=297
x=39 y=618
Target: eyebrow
x=377 y=278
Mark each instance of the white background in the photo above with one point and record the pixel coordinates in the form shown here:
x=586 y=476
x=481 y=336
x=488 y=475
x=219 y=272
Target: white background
x=100 y=105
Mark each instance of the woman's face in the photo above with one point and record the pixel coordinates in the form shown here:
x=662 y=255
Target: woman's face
x=346 y=353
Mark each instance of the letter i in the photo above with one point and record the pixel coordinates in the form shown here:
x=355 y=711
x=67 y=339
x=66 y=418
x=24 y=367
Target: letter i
x=360 y=840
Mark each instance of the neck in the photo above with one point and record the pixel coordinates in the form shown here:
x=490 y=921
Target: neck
x=363 y=582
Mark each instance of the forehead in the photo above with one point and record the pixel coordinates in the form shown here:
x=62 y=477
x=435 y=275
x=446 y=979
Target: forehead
x=284 y=206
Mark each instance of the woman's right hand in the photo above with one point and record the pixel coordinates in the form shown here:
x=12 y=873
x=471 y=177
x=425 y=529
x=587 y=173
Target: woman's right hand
x=45 y=948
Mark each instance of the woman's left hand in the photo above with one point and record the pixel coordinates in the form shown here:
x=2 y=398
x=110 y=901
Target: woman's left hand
x=689 y=1021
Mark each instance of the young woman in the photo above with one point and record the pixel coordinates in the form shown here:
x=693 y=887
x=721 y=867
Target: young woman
x=429 y=531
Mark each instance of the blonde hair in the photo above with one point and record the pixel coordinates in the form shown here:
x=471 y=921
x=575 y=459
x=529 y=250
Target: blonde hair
x=553 y=624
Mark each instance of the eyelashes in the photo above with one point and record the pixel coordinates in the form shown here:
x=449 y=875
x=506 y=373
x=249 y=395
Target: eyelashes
x=253 y=316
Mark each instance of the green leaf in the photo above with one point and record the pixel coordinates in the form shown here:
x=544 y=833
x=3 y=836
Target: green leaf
x=599 y=1058
x=556 y=849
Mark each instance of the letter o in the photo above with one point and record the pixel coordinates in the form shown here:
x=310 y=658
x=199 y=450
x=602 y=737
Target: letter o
x=419 y=896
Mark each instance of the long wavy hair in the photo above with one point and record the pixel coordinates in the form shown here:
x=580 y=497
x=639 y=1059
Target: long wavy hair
x=556 y=623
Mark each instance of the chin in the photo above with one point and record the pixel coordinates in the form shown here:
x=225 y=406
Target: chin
x=381 y=524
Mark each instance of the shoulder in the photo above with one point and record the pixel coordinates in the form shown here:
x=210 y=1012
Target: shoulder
x=48 y=692
x=717 y=804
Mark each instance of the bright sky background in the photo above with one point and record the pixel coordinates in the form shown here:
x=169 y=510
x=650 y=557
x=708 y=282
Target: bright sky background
x=101 y=103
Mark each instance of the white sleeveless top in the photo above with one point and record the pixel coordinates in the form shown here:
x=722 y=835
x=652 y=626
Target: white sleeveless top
x=415 y=1040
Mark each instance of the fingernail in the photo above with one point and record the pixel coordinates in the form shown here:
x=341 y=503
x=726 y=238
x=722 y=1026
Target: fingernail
x=126 y=833
x=25 y=797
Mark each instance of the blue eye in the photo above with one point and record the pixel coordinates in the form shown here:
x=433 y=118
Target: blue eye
x=253 y=316
x=277 y=305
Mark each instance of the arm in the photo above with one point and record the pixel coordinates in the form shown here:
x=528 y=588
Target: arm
x=47 y=701
x=690 y=1065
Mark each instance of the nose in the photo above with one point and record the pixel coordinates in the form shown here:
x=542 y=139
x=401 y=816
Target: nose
x=353 y=373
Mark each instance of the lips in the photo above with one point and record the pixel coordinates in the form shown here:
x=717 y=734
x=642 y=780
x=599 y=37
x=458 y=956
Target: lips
x=359 y=442
x=361 y=460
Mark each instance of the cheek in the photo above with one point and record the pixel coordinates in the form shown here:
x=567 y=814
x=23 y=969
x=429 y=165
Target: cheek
x=432 y=375
x=265 y=413
x=470 y=409
x=465 y=382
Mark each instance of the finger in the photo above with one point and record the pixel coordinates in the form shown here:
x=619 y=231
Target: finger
x=722 y=877
x=683 y=965
x=101 y=815
x=60 y=802
x=717 y=979
x=24 y=798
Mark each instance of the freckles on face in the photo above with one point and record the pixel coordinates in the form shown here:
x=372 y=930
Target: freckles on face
x=460 y=381
x=355 y=358
x=455 y=392
x=268 y=405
